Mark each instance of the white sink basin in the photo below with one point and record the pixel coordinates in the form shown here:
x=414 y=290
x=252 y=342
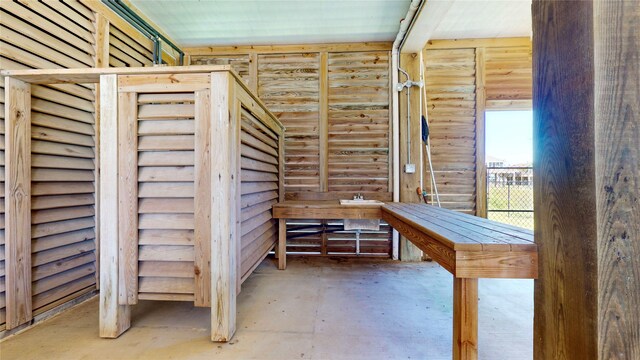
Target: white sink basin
x=360 y=202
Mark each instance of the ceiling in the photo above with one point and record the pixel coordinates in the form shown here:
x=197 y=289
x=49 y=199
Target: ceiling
x=468 y=19
x=274 y=22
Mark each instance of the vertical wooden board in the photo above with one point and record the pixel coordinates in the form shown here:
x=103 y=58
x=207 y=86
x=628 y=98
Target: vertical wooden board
x=114 y=318
x=18 y=201
x=410 y=181
x=324 y=122
x=481 y=168
x=253 y=72
x=236 y=176
x=617 y=129
x=128 y=198
x=102 y=41
x=203 y=220
x=223 y=193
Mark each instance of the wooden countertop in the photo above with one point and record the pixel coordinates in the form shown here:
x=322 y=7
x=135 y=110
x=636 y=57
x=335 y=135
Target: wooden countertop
x=325 y=210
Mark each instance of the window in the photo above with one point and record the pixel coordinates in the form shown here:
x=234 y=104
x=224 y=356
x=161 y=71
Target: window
x=509 y=158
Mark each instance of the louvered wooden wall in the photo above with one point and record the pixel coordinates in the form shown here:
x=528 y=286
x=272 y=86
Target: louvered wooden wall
x=259 y=190
x=166 y=195
x=57 y=34
x=127 y=51
x=63 y=145
x=451 y=92
x=335 y=106
x=508 y=77
x=463 y=79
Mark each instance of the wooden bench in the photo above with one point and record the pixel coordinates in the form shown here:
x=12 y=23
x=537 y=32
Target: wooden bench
x=470 y=248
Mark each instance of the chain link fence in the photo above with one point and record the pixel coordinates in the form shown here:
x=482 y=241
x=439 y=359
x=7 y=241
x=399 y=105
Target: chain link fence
x=510 y=195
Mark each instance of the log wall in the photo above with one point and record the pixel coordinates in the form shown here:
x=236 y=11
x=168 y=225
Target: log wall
x=53 y=35
x=334 y=101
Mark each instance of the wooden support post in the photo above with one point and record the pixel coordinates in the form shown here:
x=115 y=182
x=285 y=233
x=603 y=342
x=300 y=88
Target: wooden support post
x=128 y=198
x=323 y=126
x=282 y=244
x=18 y=201
x=587 y=168
x=223 y=204
x=281 y=247
x=202 y=202
x=465 y=319
x=409 y=182
x=253 y=72
x=102 y=61
x=114 y=318
x=481 y=167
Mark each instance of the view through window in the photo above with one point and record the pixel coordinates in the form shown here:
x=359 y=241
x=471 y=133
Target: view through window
x=509 y=157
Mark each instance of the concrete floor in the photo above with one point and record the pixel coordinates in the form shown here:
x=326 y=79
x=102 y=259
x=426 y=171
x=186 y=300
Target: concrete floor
x=316 y=309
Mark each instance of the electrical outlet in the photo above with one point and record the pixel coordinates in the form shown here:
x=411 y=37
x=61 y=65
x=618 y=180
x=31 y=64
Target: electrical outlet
x=409 y=168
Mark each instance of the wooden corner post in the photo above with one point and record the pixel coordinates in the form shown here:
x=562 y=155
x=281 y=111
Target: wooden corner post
x=224 y=190
x=18 y=201
x=586 y=86
x=114 y=318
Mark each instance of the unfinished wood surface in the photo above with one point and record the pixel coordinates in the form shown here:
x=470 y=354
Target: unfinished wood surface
x=255 y=135
x=508 y=76
x=358 y=112
x=465 y=245
x=284 y=49
x=114 y=318
x=55 y=36
x=18 y=202
x=586 y=93
x=481 y=166
x=410 y=130
x=202 y=203
x=171 y=159
x=240 y=63
x=128 y=198
x=451 y=103
x=289 y=86
x=465 y=319
x=223 y=190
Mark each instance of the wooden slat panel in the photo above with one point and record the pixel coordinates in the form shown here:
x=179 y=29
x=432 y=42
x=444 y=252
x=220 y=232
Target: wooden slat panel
x=289 y=86
x=450 y=84
x=358 y=96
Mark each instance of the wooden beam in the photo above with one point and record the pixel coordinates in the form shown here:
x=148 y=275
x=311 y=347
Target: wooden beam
x=114 y=318
x=283 y=49
x=282 y=244
x=253 y=73
x=465 y=319
x=481 y=168
x=409 y=182
x=475 y=43
x=202 y=213
x=18 y=201
x=587 y=219
x=223 y=193
x=128 y=198
x=281 y=248
x=102 y=41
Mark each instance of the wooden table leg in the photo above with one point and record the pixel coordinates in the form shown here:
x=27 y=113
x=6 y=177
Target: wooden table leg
x=282 y=244
x=465 y=319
